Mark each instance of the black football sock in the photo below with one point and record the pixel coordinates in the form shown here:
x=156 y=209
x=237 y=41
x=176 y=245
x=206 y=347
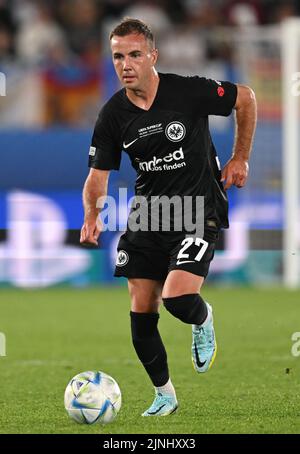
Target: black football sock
x=190 y=308
x=149 y=346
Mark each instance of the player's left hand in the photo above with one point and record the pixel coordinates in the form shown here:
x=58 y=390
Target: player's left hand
x=235 y=172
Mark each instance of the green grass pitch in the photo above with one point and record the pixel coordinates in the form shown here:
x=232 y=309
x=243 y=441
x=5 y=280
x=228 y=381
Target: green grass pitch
x=51 y=335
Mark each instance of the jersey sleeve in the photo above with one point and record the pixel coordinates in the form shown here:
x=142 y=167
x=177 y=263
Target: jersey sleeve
x=212 y=97
x=104 y=153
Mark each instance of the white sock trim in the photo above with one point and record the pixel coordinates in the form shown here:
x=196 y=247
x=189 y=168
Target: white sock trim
x=168 y=388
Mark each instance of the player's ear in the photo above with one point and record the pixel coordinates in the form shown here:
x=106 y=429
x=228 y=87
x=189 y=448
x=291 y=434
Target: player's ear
x=154 y=56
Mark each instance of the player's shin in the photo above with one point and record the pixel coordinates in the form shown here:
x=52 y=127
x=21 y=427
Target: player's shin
x=149 y=346
x=152 y=354
x=192 y=309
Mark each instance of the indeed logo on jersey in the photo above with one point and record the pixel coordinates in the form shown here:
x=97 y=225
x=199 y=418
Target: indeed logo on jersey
x=166 y=163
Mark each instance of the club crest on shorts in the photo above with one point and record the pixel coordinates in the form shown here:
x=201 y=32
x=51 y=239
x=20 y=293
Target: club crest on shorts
x=122 y=258
x=175 y=131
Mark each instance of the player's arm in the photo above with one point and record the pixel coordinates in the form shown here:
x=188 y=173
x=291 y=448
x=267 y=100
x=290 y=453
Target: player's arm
x=94 y=194
x=235 y=172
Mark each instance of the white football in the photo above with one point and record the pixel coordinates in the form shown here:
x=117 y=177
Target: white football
x=93 y=397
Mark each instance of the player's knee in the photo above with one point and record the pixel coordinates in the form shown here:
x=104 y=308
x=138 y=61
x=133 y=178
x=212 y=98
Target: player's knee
x=188 y=308
x=144 y=298
x=145 y=306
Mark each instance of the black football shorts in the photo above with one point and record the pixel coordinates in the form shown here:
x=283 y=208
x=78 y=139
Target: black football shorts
x=152 y=255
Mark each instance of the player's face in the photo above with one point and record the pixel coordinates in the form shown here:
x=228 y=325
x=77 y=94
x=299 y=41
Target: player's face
x=133 y=60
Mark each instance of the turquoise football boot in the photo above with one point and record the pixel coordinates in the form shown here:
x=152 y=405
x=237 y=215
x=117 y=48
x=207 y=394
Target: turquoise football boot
x=204 y=346
x=163 y=405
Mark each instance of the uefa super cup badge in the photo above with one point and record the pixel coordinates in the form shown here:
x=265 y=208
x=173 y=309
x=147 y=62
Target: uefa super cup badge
x=175 y=131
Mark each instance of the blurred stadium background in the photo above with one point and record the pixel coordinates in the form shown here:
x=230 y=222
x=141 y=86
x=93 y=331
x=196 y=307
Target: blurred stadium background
x=58 y=72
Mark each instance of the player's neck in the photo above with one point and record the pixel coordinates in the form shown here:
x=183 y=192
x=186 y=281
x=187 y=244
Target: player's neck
x=144 y=97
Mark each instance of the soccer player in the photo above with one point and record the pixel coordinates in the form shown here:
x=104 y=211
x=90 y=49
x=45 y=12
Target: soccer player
x=161 y=121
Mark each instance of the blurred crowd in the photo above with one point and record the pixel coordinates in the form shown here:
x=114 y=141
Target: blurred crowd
x=35 y=31
x=66 y=41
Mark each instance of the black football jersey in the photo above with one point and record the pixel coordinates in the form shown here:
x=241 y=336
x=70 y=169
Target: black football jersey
x=169 y=145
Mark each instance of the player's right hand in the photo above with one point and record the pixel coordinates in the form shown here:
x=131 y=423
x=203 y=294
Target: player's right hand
x=90 y=232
